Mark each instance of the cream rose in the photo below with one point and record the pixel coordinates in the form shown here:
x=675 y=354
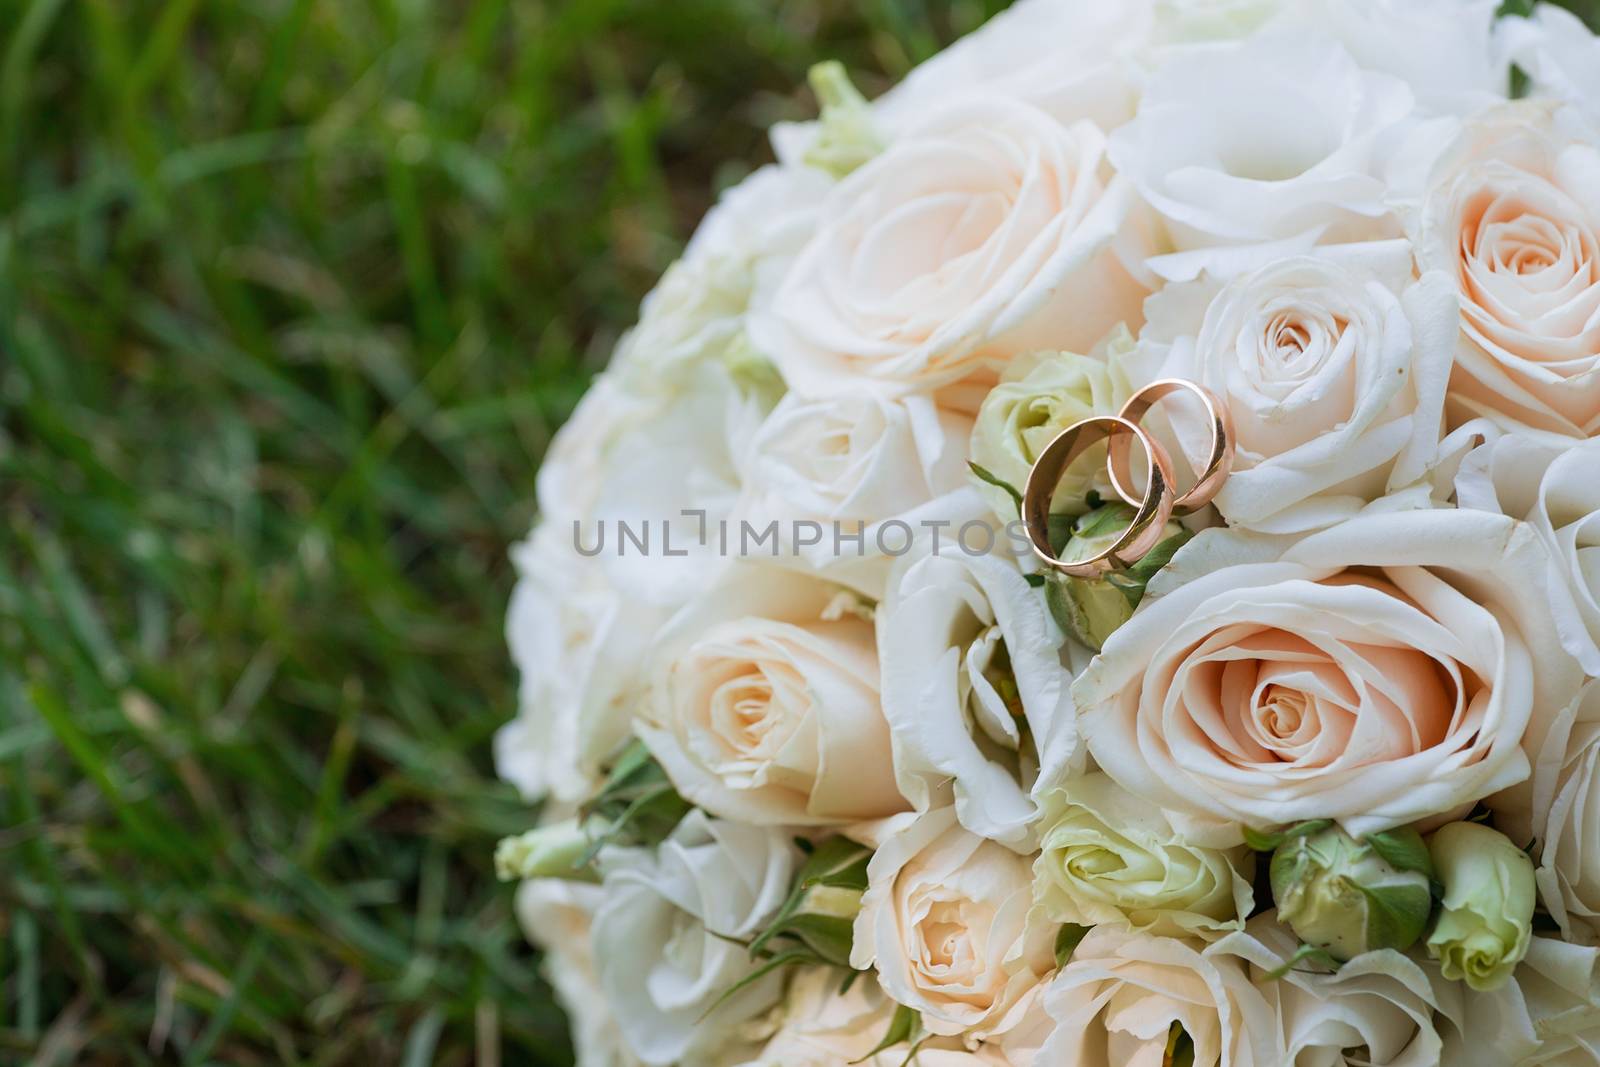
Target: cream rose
x=1115 y=1003
x=1334 y=376
x=667 y=929
x=578 y=643
x=973 y=686
x=945 y=924
x=822 y=1027
x=1553 y=489
x=558 y=916
x=1277 y=137
x=986 y=232
x=764 y=705
x=1040 y=395
x=1109 y=857
x=1381 y=672
x=1513 y=217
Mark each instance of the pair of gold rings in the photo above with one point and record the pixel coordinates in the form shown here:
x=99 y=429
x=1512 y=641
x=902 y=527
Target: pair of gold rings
x=1156 y=506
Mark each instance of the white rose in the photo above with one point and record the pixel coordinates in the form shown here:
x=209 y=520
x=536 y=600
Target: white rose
x=1551 y=487
x=1109 y=857
x=1281 y=136
x=558 y=916
x=1559 y=53
x=1442 y=48
x=1548 y=1015
x=1334 y=377
x=686 y=452
x=1116 y=1001
x=739 y=253
x=973 y=687
x=985 y=233
x=1565 y=821
x=1375 y=1011
x=1070 y=58
x=578 y=643
x=1040 y=395
x=761 y=709
x=1513 y=217
x=1378 y=673
x=848 y=463
x=1191 y=22
x=666 y=933
x=945 y=923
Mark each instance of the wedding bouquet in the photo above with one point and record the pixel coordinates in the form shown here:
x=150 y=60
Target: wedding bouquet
x=879 y=719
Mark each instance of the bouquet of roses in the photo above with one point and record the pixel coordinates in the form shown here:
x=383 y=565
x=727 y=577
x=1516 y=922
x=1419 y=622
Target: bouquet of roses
x=1094 y=558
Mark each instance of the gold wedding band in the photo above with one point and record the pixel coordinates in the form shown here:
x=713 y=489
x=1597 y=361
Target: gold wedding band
x=1149 y=523
x=1218 y=464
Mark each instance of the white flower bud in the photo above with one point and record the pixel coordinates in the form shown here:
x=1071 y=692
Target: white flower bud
x=1346 y=896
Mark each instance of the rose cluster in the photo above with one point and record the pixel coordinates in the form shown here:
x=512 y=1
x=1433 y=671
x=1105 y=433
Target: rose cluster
x=1316 y=782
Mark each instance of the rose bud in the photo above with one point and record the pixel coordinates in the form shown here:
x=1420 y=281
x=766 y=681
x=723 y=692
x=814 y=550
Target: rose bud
x=1347 y=897
x=1486 y=919
x=553 y=851
x=1091 y=609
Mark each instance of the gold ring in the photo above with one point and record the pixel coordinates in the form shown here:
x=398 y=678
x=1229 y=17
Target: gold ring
x=1218 y=465
x=1149 y=523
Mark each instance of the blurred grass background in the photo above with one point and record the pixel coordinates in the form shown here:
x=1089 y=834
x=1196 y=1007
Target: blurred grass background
x=292 y=295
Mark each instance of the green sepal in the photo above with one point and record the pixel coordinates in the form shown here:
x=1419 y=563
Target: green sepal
x=985 y=475
x=1392 y=920
x=1268 y=841
x=1067 y=940
x=1403 y=849
x=1302 y=954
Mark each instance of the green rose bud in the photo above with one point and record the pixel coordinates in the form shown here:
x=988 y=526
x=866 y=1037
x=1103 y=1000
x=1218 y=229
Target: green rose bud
x=1091 y=609
x=846 y=138
x=1347 y=897
x=1038 y=397
x=554 y=851
x=1486 y=918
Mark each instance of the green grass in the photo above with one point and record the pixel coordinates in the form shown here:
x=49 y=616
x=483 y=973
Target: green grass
x=292 y=295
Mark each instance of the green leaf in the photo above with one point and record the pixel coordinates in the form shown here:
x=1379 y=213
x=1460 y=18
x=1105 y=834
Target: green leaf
x=838 y=863
x=783 y=959
x=1067 y=939
x=995 y=480
x=903 y=1027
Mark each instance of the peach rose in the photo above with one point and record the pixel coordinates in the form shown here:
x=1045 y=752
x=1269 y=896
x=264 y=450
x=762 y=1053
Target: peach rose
x=764 y=706
x=987 y=232
x=1380 y=672
x=945 y=922
x=1514 y=218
